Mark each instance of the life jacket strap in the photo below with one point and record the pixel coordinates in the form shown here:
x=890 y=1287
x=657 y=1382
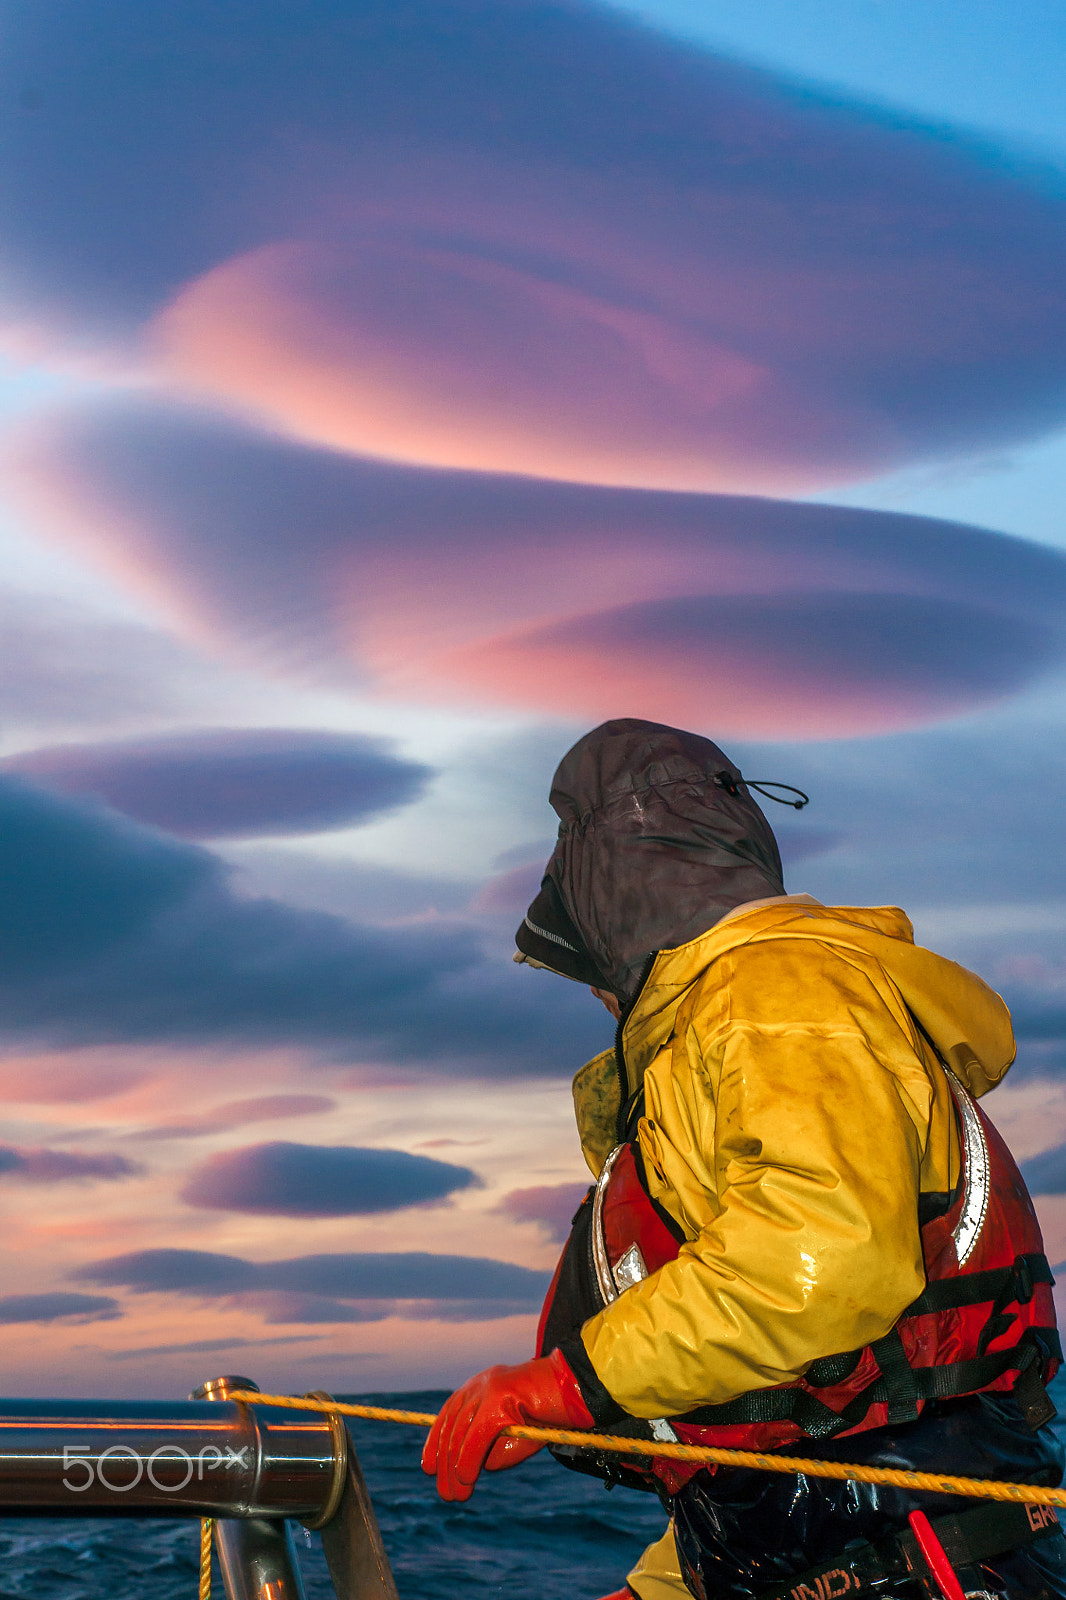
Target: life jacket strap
x=1001 y=1285
x=899 y=1377
x=967 y=1538
x=900 y=1387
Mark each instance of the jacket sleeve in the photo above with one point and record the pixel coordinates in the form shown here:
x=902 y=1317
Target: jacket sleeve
x=785 y=1131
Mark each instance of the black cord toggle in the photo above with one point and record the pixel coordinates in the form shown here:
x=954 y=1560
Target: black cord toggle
x=725 y=780
x=766 y=784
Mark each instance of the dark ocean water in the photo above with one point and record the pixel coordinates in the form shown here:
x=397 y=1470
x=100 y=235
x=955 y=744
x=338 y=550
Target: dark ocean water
x=537 y=1532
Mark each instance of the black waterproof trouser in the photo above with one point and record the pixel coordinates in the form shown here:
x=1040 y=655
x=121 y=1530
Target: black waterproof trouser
x=742 y=1533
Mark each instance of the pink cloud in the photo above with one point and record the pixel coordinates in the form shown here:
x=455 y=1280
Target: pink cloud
x=62 y=1166
x=528 y=237
x=510 y=893
x=765 y=295
x=460 y=359
x=233 y=782
x=239 y=1113
x=552 y=1206
x=748 y=616
x=787 y=666
x=61 y=1080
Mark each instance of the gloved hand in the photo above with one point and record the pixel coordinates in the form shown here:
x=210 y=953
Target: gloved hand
x=465 y=1437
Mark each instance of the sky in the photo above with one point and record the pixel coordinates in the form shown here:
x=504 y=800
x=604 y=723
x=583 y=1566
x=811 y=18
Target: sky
x=389 y=393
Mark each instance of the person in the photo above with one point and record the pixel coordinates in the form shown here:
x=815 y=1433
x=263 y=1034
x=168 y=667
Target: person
x=804 y=1235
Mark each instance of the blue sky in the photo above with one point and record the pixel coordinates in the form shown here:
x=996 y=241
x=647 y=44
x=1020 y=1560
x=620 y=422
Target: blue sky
x=988 y=65
x=389 y=393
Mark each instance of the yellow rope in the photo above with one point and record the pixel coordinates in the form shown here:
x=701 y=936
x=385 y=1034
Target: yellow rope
x=207 y=1528
x=937 y=1483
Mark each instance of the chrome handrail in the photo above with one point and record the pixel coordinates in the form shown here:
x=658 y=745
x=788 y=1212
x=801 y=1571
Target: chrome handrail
x=251 y=1468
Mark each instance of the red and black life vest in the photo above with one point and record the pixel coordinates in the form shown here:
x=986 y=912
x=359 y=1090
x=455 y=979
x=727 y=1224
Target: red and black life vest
x=985 y=1321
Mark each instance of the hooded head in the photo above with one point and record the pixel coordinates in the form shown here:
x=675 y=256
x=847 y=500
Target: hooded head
x=658 y=840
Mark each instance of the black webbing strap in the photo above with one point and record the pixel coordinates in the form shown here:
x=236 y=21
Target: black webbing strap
x=967 y=1537
x=893 y=1388
x=830 y=1370
x=974 y=1288
x=899 y=1377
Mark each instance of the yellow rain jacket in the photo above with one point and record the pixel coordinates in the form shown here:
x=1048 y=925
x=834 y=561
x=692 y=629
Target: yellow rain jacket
x=794 y=1112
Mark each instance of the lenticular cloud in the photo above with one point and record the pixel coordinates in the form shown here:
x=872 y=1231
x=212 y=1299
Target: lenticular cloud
x=750 y=616
x=472 y=328
x=234 y=782
x=454 y=356
x=306 y=1180
x=812 y=665
x=523 y=237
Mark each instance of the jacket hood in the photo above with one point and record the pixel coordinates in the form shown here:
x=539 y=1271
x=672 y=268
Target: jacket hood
x=967 y=1022
x=658 y=839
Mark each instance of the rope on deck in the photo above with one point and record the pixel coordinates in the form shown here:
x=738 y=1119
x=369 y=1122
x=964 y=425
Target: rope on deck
x=705 y=1455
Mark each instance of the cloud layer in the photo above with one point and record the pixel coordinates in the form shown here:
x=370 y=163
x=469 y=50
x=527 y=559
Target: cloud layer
x=753 y=617
x=1046 y=1173
x=239 y=1113
x=818 y=665
x=363 y=223
x=235 y=782
x=62 y=1166
x=58 y=1306
x=65 y=666
x=552 y=1206
x=332 y=1288
x=115 y=933
x=306 y=1180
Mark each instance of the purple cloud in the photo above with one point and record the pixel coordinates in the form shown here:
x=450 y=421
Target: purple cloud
x=65 y=666
x=63 y=1166
x=58 y=1307
x=114 y=933
x=235 y=782
x=275 y=1306
x=552 y=1206
x=238 y=1113
x=798 y=845
x=509 y=894
x=360 y=890
x=1046 y=1173
x=208 y=1346
x=1040 y=1018
x=200 y=1347
x=366 y=224
x=307 y=1180
x=818 y=665
x=751 y=617
x=332 y=1288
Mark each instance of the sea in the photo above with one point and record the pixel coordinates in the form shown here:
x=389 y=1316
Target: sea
x=536 y=1532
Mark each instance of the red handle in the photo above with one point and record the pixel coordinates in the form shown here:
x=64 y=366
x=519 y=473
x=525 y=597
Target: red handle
x=936 y=1556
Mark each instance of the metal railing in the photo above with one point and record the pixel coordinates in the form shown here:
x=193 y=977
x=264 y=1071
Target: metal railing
x=254 y=1470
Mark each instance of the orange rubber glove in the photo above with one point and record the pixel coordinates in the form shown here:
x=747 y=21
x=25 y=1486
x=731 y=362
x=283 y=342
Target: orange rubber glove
x=466 y=1436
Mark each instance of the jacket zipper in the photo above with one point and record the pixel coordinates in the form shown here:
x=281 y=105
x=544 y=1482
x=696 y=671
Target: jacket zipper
x=625 y=1097
x=623 y=1084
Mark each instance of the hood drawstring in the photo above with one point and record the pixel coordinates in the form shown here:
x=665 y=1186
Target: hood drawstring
x=731 y=784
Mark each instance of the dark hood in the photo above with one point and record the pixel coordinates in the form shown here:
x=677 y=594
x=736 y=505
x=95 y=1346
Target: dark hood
x=652 y=852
